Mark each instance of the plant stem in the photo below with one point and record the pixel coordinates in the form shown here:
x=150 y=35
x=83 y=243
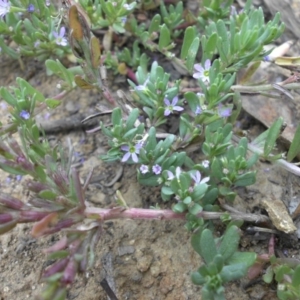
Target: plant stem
x=164 y=214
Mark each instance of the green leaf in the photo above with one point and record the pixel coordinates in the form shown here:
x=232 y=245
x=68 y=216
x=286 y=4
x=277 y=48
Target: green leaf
x=192 y=53
x=47 y=194
x=132 y=118
x=268 y=276
x=180 y=207
x=58 y=254
x=8 y=97
x=52 y=103
x=296 y=277
x=295 y=145
x=116 y=116
x=189 y=36
x=247 y=258
x=167 y=190
x=230 y=242
x=281 y=271
x=211 y=46
x=233 y=272
x=197 y=278
x=199 y=191
x=195 y=209
x=204 y=244
x=164 y=38
x=272 y=136
x=155 y=23
x=245 y=179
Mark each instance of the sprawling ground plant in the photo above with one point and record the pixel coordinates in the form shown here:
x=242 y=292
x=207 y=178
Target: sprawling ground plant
x=211 y=46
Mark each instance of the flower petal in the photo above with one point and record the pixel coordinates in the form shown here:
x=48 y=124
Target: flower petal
x=204 y=180
x=126 y=156
x=125 y=147
x=178 y=108
x=198 y=68
x=134 y=157
x=167 y=112
x=207 y=64
x=167 y=102
x=175 y=100
x=62 y=32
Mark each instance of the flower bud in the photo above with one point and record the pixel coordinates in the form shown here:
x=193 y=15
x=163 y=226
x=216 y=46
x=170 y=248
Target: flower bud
x=56 y=267
x=5 y=218
x=11 y=202
x=70 y=272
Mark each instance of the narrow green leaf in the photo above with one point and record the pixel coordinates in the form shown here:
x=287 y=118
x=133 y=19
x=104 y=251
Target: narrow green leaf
x=155 y=23
x=116 y=116
x=192 y=53
x=296 y=278
x=295 y=145
x=204 y=244
x=272 y=136
x=189 y=36
x=164 y=38
x=230 y=242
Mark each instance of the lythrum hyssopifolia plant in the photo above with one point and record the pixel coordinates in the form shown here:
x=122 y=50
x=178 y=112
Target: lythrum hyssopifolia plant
x=209 y=47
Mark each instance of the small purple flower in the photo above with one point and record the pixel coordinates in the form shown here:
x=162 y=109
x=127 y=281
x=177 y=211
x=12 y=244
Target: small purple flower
x=4 y=7
x=170 y=107
x=224 y=111
x=144 y=169
x=267 y=58
x=142 y=87
x=156 y=169
x=131 y=151
x=197 y=178
x=24 y=114
x=60 y=40
x=19 y=177
x=205 y=163
x=129 y=6
x=202 y=73
x=30 y=8
x=198 y=110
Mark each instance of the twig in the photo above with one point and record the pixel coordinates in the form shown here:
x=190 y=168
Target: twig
x=159 y=214
x=108 y=290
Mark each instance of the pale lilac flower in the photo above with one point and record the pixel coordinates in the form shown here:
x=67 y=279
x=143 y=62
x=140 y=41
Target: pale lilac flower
x=198 y=110
x=24 y=114
x=202 y=73
x=60 y=40
x=171 y=176
x=224 y=111
x=197 y=178
x=205 y=163
x=19 y=177
x=144 y=169
x=156 y=169
x=170 y=107
x=267 y=58
x=129 y=6
x=132 y=152
x=30 y=8
x=4 y=7
x=142 y=87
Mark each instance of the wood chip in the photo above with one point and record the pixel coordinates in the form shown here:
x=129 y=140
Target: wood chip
x=279 y=215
